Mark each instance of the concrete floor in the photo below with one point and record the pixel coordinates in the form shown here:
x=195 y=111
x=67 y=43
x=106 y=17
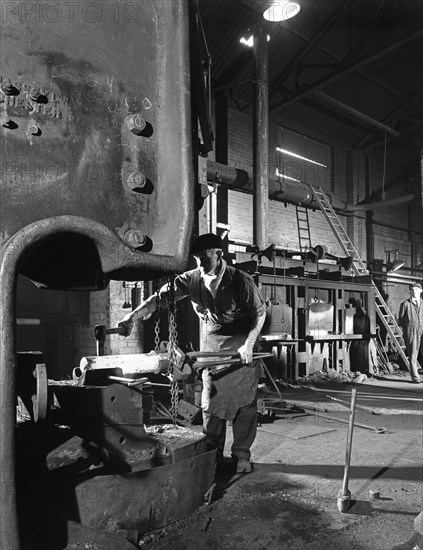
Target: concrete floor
x=290 y=500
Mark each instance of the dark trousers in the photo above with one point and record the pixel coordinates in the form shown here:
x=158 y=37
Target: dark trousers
x=414 y=345
x=244 y=429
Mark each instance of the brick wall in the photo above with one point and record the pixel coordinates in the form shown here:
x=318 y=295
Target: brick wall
x=121 y=344
x=282 y=223
x=349 y=186
x=98 y=315
x=106 y=309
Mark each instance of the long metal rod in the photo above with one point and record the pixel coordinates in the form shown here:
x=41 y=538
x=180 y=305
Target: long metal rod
x=349 y=444
x=346 y=404
x=196 y=354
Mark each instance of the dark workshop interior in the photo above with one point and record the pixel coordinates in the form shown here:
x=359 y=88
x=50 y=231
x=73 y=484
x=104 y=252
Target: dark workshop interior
x=292 y=130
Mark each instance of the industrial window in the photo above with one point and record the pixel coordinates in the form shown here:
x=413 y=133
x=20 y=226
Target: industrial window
x=302 y=159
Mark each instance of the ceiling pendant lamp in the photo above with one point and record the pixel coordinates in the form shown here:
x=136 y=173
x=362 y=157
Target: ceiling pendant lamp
x=281 y=11
x=391 y=267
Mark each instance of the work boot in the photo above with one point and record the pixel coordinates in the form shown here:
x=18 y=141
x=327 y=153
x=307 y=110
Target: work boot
x=244 y=466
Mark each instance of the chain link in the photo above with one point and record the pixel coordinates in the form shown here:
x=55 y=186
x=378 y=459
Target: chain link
x=173 y=339
x=157 y=325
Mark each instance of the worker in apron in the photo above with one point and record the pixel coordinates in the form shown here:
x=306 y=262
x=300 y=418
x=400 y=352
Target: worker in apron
x=232 y=312
x=411 y=321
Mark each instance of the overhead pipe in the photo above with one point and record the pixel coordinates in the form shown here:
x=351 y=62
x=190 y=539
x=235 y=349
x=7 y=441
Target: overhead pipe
x=354 y=112
x=395 y=278
x=295 y=193
x=260 y=138
x=394 y=201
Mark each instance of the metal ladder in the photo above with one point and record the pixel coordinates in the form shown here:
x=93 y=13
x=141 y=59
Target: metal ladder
x=303 y=226
x=359 y=269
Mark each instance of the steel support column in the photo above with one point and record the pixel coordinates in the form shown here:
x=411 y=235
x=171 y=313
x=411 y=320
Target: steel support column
x=349 y=179
x=416 y=215
x=260 y=139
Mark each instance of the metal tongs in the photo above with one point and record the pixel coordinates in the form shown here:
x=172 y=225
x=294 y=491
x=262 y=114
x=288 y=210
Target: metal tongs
x=232 y=358
x=187 y=362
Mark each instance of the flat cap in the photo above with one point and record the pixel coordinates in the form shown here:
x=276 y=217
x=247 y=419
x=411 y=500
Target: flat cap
x=203 y=242
x=415 y=285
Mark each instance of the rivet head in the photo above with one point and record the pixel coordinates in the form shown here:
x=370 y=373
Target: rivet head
x=7 y=88
x=34 y=130
x=136 y=179
x=35 y=94
x=9 y=124
x=135 y=238
x=138 y=240
x=135 y=123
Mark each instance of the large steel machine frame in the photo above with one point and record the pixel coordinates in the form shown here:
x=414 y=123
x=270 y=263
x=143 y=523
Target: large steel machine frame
x=95 y=146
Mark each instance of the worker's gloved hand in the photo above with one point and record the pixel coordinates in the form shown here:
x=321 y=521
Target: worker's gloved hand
x=246 y=352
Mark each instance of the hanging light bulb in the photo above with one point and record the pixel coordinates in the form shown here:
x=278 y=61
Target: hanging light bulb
x=281 y=11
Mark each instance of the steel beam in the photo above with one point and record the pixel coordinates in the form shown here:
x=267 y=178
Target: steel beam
x=365 y=142
x=311 y=44
x=346 y=69
x=358 y=114
x=288 y=30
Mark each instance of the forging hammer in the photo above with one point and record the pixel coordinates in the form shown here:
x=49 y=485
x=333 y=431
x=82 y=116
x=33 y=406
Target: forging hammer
x=100 y=333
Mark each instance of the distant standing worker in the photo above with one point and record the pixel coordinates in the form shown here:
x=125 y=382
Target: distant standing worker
x=232 y=312
x=411 y=321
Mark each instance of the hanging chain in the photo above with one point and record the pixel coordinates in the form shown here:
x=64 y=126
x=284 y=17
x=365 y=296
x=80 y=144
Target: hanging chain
x=157 y=323
x=173 y=337
x=273 y=287
x=282 y=321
